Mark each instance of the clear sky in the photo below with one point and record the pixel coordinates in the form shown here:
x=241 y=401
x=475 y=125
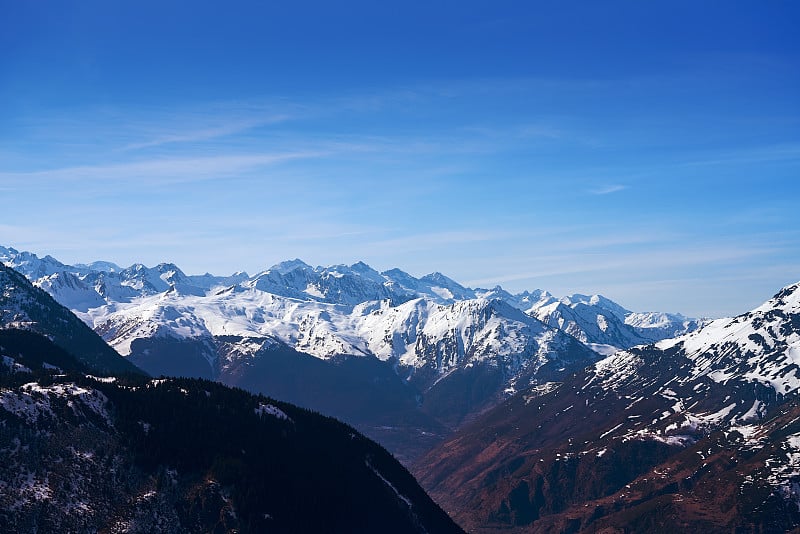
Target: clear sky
x=648 y=151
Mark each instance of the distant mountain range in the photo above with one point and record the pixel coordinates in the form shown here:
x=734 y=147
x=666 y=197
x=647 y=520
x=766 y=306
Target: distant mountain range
x=442 y=352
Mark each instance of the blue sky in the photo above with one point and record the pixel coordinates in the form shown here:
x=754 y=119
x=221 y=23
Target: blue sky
x=648 y=151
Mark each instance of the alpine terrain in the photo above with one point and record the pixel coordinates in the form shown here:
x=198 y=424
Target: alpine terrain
x=696 y=433
x=404 y=359
x=88 y=444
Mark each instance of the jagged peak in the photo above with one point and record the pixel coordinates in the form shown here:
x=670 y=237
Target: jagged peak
x=534 y=296
x=787 y=298
x=396 y=272
x=100 y=265
x=439 y=278
x=135 y=268
x=289 y=265
x=596 y=300
x=361 y=266
x=167 y=266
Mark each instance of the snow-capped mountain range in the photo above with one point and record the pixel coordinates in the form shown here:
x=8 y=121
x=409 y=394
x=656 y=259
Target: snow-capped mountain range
x=438 y=335
x=684 y=419
x=340 y=297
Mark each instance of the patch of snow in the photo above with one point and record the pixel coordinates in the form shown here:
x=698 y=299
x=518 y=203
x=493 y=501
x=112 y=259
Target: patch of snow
x=103 y=379
x=540 y=390
x=391 y=486
x=755 y=411
x=606 y=433
x=274 y=411
x=32 y=401
x=603 y=349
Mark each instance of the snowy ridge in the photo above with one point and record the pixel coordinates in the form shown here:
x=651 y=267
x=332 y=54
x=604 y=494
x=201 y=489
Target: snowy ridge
x=30 y=264
x=420 y=333
x=314 y=327
x=427 y=327
x=68 y=287
x=101 y=288
x=596 y=320
x=416 y=333
x=655 y=326
x=35 y=404
x=760 y=346
x=725 y=375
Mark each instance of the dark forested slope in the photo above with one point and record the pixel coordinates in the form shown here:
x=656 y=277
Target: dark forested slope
x=86 y=454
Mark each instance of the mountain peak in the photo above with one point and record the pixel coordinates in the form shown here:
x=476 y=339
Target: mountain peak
x=361 y=266
x=102 y=266
x=394 y=271
x=599 y=301
x=445 y=281
x=287 y=266
x=788 y=298
x=166 y=266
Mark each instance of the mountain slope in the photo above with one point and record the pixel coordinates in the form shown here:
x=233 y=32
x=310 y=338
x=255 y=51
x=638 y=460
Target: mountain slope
x=24 y=306
x=83 y=454
x=605 y=325
x=468 y=356
x=462 y=357
x=455 y=351
x=697 y=432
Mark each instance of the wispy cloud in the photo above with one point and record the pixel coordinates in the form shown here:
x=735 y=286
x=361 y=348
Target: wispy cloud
x=207 y=134
x=781 y=152
x=157 y=171
x=556 y=266
x=608 y=189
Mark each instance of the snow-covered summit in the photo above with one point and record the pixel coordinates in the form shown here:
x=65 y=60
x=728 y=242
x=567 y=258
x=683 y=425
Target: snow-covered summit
x=726 y=374
x=290 y=265
x=103 y=266
x=762 y=345
x=30 y=264
x=598 y=301
x=604 y=324
x=104 y=294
